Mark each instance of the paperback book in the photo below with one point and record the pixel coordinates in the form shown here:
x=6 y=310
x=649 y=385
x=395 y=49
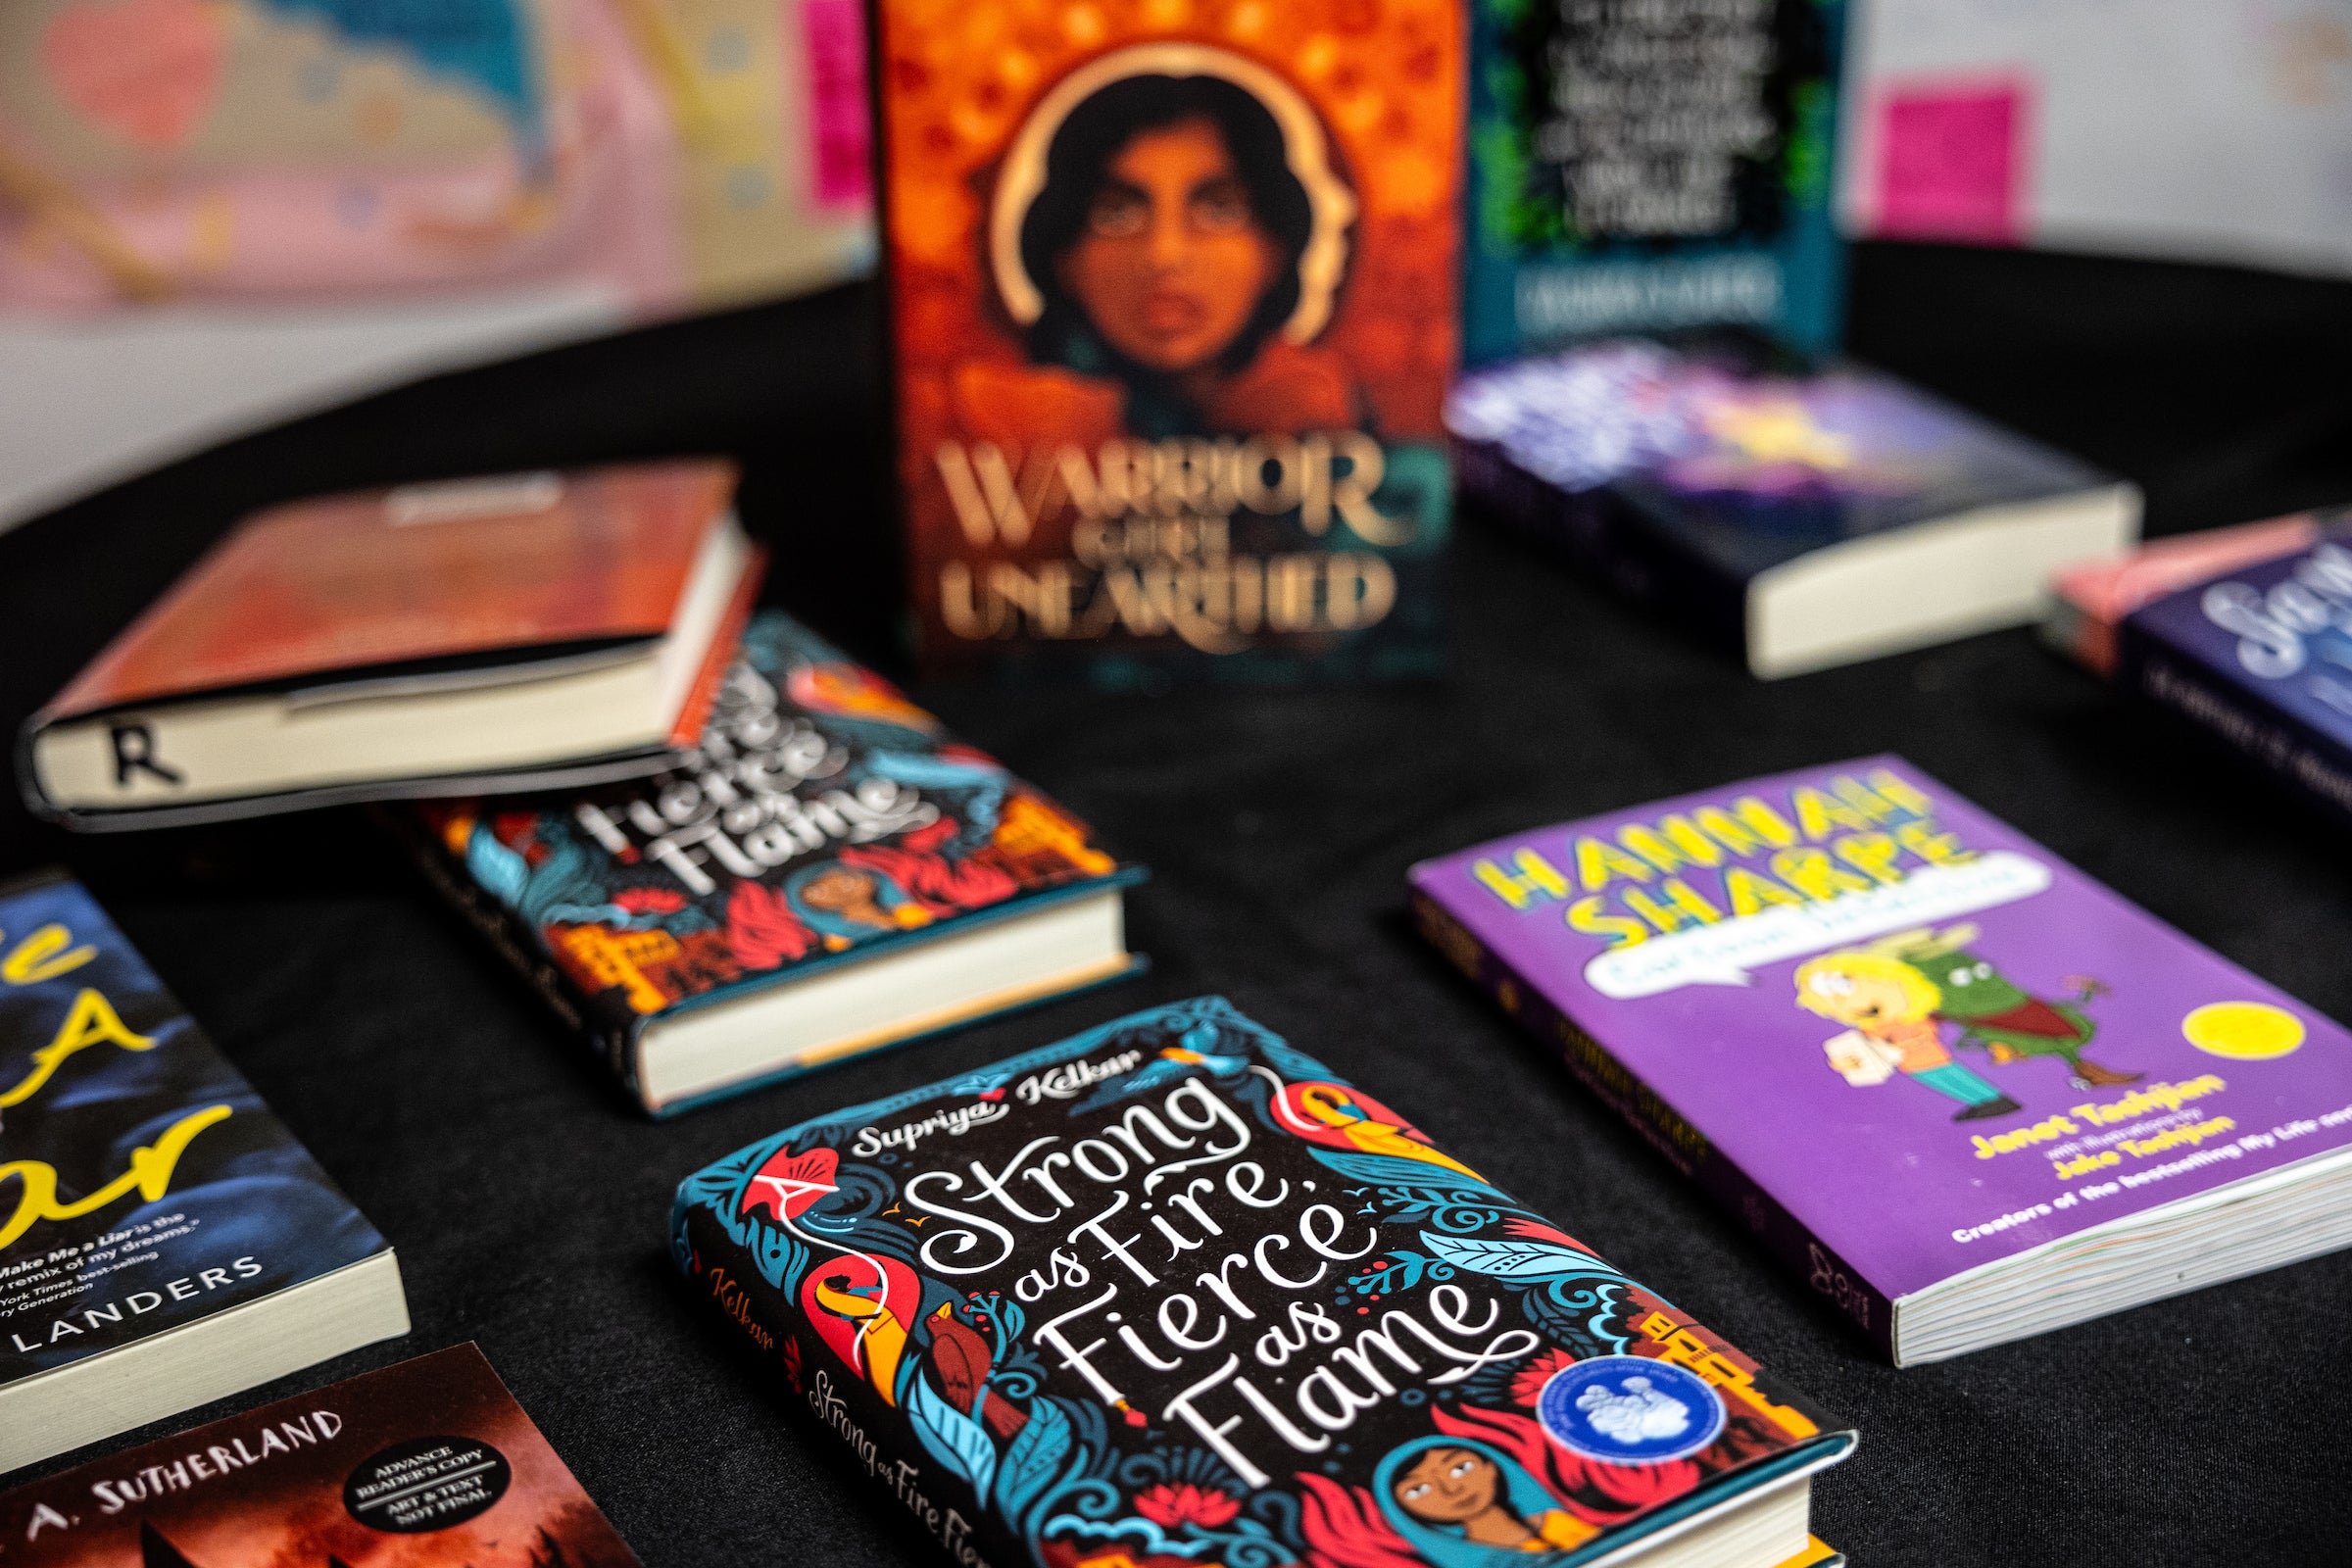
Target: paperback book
x=2258 y=655
x=828 y=872
x=164 y=1240
x=1850 y=980
x=1173 y=297
x=1641 y=168
x=1794 y=519
x=1170 y=1292
x=426 y=1463
x=514 y=632
x=2090 y=600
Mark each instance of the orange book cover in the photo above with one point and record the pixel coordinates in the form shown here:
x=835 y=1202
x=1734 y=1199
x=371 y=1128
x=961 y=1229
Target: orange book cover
x=1173 y=295
x=451 y=570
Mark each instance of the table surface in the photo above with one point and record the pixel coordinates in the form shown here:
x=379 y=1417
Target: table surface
x=528 y=1202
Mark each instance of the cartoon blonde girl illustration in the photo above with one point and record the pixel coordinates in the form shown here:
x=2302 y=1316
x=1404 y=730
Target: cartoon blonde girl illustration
x=1889 y=1007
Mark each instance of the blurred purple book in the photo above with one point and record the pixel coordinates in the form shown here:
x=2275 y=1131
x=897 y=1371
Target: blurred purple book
x=1796 y=518
x=1970 y=1094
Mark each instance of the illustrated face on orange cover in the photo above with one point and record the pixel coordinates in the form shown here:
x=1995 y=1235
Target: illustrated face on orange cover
x=1168 y=236
x=1174 y=292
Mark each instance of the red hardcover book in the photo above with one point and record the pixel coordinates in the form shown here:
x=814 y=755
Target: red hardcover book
x=526 y=629
x=429 y=1462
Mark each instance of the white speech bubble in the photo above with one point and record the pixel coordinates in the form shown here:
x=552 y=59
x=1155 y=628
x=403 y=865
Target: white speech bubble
x=1722 y=955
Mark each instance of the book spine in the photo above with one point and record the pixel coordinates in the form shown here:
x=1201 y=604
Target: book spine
x=1655 y=1119
x=1604 y=535
x=2309 y=760
x=519 y=945
x=849 y=1408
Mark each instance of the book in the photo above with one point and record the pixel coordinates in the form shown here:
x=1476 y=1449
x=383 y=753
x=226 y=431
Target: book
x=1641 y=168
x=827 y=873
x=502 y=633
x=1796 y=518
x=164 y=1239
x=2259 y=657
x=1173 y=313
x=1170 y=1291
x=1967 y=1093
x=2089 y=600
x=430 y=1460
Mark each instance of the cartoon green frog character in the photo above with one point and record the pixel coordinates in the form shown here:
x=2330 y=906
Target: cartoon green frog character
x=2005 y=1021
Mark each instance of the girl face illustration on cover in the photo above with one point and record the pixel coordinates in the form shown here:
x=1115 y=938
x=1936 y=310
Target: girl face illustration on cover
x=1172 y=249
x=1464 y=1505
x=1169 y=229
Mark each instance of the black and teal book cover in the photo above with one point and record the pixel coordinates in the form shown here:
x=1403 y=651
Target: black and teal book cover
x=823 y=819
x=1170 y=1294
x=144 y=1186
x=1645 y=165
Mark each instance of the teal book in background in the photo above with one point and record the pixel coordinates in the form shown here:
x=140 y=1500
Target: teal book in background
x=1640 y=166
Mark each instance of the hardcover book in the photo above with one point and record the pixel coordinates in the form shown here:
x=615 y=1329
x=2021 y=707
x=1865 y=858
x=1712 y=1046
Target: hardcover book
x=2260 y=656
x=511 y=632
x=829 y=872
x=426 y=1462
x=1173 y=1293
x=1173 y=300
x=1640 y=168
x=1850 y=980
x=164 y=1240
x=1796 y=520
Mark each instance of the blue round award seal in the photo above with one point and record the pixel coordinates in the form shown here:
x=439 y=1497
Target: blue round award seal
x=1628 y=1410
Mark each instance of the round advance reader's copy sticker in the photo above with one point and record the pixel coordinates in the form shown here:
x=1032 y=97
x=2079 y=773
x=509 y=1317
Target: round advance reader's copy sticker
x=1628 y=1410
x=427 y=1484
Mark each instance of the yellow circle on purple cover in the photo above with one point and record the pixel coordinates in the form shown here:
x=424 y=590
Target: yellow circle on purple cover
x=2242 y=1031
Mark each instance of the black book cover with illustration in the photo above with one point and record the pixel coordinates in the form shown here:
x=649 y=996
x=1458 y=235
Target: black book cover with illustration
x=144 y=1186
x=1170 y=1293
x=823 y=819
x=426 y=1464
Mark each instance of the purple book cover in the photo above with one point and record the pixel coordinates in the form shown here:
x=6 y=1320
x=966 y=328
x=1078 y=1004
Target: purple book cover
x=1902 y=1039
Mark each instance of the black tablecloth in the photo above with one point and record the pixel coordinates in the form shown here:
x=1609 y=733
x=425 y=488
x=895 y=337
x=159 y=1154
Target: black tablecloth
x=528 y=1202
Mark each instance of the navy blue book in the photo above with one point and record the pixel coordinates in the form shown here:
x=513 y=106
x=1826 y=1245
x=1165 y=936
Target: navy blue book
x=1795 y=517
x=2261 y=658
x=164 y=1239
x=1643 y=167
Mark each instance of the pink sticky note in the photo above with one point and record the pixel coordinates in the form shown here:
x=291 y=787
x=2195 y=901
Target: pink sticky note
x=840 y=140
x=1953 y=159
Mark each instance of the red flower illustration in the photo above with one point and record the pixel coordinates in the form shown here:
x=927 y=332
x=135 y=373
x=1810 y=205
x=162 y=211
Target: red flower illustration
x=1527 y=1385
x=1169 y=1506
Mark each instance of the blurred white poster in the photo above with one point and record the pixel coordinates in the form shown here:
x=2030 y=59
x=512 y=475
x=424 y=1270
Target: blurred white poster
x=2198 y=129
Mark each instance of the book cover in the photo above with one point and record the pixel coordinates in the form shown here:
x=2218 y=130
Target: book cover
x=1641 y=168
x=426 y=1463
x=420 y=576
x=2261 y=657
x=1848 y=980
x=1170 y=1292
x=2090 y=600
x=1685 y=474
x=822 y=818
x=1173 y=313
x=145 y=1186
